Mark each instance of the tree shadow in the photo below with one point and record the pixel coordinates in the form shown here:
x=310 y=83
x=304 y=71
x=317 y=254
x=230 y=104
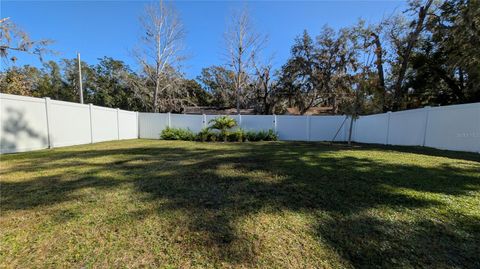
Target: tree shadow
x=218 y=187
x=15 y=126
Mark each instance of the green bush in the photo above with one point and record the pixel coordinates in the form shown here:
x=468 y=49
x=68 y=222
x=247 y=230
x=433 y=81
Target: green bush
x=223 y=124
x=206 y=135
x=177 y=134
x=269 y=135
x=238 y=135
x=209 y=135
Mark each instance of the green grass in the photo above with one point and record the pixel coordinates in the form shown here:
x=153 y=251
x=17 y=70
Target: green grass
x=146 y=203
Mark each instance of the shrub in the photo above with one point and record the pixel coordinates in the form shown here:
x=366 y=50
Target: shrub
x=177 y=134
x=269 y=135
x=237 y=136
x=206 y=135
x=223 y=124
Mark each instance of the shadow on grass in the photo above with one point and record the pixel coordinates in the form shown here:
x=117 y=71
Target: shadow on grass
x=219 y=186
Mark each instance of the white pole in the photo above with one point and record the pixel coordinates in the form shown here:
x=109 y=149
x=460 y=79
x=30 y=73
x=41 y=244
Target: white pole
x=387 y=139
x=426 y=109
x=275 y=123
x=90 y=107
x=49 y=122
x=118 y=123
x=80 y=89
x=308 y=127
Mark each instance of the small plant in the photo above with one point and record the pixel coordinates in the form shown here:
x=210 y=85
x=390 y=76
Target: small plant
x=177 y=134
x=206 y=135
x=269 y=135
x=238 y=135
x=223 y=124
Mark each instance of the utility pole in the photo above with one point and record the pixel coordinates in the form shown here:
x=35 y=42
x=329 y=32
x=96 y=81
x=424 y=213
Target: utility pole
x=80 y=78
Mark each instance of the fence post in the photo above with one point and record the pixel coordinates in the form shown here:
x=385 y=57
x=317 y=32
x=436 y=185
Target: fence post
x=49 y=129
x=240 y=120
x=204 y=121
x=118 y=123
x=90 y=107
x=308 y=127
x=389 y=113
x=275 y=123
x=427 y=109
x=169 y=122
x=138 y=126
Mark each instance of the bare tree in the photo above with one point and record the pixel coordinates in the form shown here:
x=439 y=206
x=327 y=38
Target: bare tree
x=162 y=43
x=12 y=38
x=241 y=42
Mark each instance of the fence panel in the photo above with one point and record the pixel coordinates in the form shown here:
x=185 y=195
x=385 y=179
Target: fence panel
x=371 y=129
x=152 y=124
x=104 y=124
x=23 y=123
x=407 y=128
x=454 y=127
x=258 y=122
x=192 y=122
x=324 y=128
x=292 y=128
x=69 y=123
x=128 y=124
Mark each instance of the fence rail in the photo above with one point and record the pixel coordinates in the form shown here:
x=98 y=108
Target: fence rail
x=29 y=123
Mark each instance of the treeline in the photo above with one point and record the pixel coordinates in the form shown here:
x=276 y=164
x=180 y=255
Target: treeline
x=427 y=55
x=110 y=83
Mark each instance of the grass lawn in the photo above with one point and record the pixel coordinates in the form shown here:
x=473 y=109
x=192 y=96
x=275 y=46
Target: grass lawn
x=175 y=204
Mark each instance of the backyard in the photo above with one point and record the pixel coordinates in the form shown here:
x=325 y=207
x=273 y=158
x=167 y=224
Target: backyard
x=138 y=203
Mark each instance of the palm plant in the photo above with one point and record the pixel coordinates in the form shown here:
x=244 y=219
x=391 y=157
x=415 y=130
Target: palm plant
x=223 y=124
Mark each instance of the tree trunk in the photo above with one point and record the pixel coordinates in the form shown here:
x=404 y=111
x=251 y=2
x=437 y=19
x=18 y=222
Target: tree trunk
x=350 y=131
x=411 y=41
x=379 y=64
x=155 y=95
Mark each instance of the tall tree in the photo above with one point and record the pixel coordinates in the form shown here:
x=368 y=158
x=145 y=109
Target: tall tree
x=405 y=48
x=265 y=86
x=298 y=79
x=160 y=53
x=220 y=83
x=242 y=42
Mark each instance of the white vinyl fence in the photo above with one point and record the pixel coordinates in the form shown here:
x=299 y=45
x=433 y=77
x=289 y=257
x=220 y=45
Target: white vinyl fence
x=29 y=123
x=455 y=127
x=294 y=128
